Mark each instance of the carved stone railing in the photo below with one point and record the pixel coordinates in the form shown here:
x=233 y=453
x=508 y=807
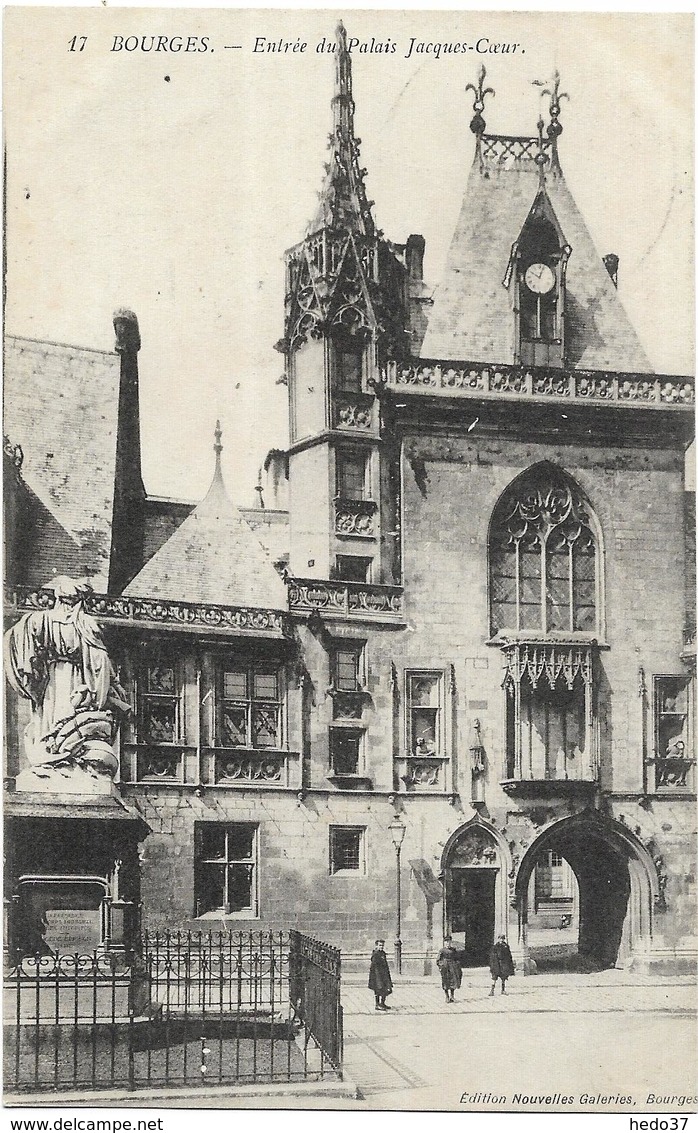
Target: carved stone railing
x=354 y=412
x=673 y=774
x=158 y=763
x=220 y=766
x=119 y=609
x=352 y=600
x=233 y=767
x=553 y=663
x=356 y=518
x=473 y=379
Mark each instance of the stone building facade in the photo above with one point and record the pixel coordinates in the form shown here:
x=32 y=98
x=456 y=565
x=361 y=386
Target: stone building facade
x=454 y=649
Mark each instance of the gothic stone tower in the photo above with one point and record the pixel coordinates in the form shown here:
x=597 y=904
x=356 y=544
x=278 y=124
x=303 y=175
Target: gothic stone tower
x=345 y=316
x=514 y=681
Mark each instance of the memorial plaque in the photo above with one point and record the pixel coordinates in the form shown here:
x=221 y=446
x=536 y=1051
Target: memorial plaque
x=62 y=914
x=73 y=930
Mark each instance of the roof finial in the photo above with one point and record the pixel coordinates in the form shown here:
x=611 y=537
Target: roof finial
x=477 y=122
x=218 y=447
x=541 y=158
x=555 y=128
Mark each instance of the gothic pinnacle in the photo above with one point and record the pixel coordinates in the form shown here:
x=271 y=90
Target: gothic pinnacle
x=342 y=202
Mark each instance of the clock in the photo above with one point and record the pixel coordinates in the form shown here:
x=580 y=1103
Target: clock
x=540 y=279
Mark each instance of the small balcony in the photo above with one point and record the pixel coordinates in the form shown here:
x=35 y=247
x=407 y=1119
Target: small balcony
x=346 y=601
x=552 y=746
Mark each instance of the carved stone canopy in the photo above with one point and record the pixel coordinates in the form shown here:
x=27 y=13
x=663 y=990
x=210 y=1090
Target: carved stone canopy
x=476 y=848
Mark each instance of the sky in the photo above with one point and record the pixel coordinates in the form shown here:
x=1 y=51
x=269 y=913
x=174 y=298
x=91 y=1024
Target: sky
x=172 y=183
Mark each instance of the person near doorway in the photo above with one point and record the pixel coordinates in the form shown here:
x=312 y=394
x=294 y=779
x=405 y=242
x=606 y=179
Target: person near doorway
x=379 y=979
x=451 y=974
x=501 y=964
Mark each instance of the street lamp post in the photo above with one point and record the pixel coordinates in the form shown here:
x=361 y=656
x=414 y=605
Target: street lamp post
x=397 y=833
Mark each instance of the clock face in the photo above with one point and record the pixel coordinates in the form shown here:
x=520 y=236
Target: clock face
x=540 y=279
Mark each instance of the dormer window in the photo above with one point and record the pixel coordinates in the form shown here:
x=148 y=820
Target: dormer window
x=539 y=261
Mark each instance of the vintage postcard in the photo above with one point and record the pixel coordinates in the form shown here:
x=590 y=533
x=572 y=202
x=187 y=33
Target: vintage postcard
x=349 y=560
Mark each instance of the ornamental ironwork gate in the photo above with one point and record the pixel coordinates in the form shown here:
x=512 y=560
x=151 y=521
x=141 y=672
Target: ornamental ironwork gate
x=225 y=1008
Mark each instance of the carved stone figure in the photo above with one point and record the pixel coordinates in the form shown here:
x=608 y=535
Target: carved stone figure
x=56 y=658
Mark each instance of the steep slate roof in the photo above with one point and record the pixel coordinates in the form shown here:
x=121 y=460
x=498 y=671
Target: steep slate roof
x=213 y=556
x=61 y=406
x=472 y=318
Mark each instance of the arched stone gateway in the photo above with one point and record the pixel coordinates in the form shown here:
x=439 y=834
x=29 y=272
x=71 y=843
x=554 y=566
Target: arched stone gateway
x=475 y=866
x=617 y=882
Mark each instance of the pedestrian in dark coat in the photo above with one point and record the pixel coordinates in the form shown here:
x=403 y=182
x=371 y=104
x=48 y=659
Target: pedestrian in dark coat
x=451 y=974
x=379 y=978
x=501 y=964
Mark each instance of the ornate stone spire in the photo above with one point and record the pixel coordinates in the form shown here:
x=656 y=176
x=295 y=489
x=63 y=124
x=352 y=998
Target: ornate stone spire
x=343 y=202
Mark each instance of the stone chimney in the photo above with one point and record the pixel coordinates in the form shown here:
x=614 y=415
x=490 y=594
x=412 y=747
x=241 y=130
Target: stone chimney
x=129 y=493
x=276 y=470
x=414 y=257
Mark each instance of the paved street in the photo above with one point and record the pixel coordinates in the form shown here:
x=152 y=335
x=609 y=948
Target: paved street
x=609 y=1033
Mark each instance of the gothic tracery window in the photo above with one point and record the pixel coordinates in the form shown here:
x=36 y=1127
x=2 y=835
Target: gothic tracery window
x=543 y=557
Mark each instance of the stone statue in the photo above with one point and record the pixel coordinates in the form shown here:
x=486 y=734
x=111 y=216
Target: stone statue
x=57 y=659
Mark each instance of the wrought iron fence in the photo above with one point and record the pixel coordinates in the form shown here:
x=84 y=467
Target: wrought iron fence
x=190 y=1009
x=315 y=973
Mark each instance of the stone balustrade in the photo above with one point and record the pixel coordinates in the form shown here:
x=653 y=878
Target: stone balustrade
x=350 y=600
x=598 y=387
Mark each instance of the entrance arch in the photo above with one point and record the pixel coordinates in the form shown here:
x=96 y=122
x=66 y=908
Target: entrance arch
x=617 y=884
x=475 y=865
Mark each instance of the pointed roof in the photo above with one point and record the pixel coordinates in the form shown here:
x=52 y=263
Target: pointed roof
x=343 y=202
x=472 y=318
x=61 y=408
x=212 y=557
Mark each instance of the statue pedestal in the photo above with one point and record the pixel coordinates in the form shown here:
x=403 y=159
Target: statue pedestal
x=73 y=873
x=48 y=780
